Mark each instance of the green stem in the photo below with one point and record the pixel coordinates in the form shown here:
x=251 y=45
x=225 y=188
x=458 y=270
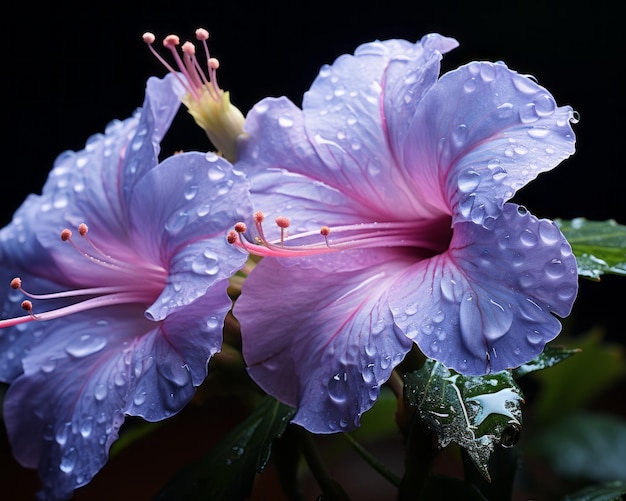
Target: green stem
x=373 y=462
x=331 y=489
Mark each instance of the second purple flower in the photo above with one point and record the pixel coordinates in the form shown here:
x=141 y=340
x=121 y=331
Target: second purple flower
x=389 y=190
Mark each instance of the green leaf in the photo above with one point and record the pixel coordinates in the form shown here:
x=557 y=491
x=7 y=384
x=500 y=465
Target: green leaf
x=475 y=412
x=611 y=491
x=599 y=246
x=550 y=356
x=570 y=385
x=227 y=472
x=584 y=446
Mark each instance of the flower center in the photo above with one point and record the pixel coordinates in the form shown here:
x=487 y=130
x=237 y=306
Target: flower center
x=134 y=283
x=424 y=241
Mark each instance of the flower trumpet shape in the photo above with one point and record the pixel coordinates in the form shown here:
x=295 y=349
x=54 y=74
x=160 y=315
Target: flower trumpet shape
x=389 y=191
x=123 y=269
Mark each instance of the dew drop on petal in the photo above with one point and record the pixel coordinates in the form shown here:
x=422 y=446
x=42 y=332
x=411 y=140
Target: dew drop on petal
x=190 y=191
x=285 y=121
x=545 y=105
x=140 y=398
x=538 y=132
x=63 y=433
x=470 y=85
x=534 y=337
x=528 y=238
x=86 y=427
x=469 y=181
x=459 y=135
x=337 y=387
x=100 y=392
x=216 y=173
x=85 y=345
x=68 y=460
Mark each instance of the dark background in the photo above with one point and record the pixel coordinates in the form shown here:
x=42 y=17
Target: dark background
x=68 y=69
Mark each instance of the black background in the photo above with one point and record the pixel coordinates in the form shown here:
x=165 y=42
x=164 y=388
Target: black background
x=70 y=68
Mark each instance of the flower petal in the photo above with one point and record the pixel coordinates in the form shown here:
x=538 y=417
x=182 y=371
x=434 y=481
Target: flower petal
x=190 y=201
x=89 y=370
x=485 y=131
x=64 y=412
x=328 y=347
x=486 y=305
x=169 y=362
x=116 y=159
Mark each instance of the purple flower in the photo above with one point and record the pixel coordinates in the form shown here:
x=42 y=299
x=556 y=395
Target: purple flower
x=122 y=319
x=389 y=189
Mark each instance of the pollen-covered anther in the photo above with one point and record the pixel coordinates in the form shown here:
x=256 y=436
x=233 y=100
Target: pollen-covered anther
x=259 y=217
x=16 y=283
x=171 y=41
x=82 y=229
x=325 y=231
x=66 y=235
x=241 y=227
x=27 y=306
x=283 y=222
x=232 y=237
x=202 y=34
x=148 y=37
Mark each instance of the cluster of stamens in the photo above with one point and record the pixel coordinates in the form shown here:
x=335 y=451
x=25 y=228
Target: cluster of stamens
x=350 y=236
x=153 y=278
x=197 y=80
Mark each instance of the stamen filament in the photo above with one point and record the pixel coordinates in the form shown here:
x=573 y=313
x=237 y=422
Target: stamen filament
x=362 y=235
x=88 y=304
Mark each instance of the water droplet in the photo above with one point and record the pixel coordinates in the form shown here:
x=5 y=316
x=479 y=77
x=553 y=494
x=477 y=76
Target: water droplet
x=213 y=323
x=534 y=337
x=411 y=308
x=555 y=268
x=504 y=111
x=100 y=392
x=285 y=121
x=261 y=107
x=48 y=365
x=378 y=326
x=524 y=84
x=470 y=85
x=190 y=191
x=338 y=387
x=459 y=135
x=538 y=132
x=216 y=173
x=140 y=398
x=469 y=181
x=548 y=232
x=176 y=222
x=528 y=238
x=86 y=427
x=119 y=379
x=85 y=345
x=63 y=433
x=545 y=105
x=487 y=72
x=205 y=264
x=68 y=460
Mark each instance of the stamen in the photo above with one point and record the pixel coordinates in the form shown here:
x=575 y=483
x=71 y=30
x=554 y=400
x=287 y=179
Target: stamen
x=283 y=223
x=325 y=231
x=351 y=236
x=100 y=258
x=198 y=80
x=28 y=307
x=143 y=287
